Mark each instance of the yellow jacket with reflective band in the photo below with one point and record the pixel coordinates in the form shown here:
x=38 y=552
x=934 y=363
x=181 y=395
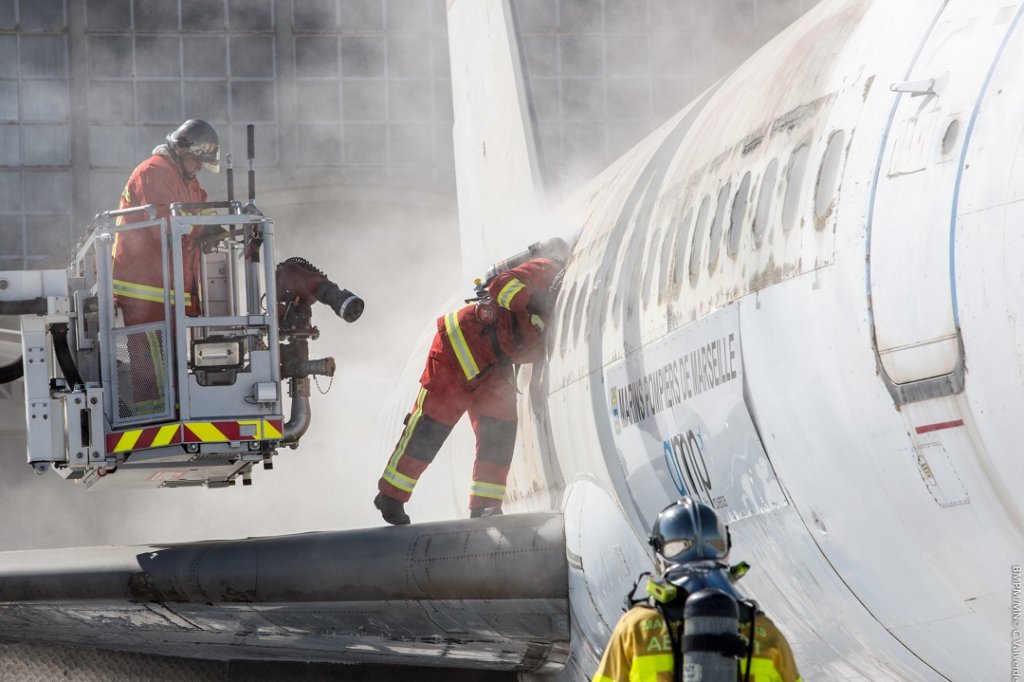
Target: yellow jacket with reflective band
x=640 y=650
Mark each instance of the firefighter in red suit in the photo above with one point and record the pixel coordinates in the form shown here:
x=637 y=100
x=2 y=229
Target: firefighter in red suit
x=470 y=369
x=166 y=177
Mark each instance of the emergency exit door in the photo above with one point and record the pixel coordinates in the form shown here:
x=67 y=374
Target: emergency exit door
x=912 y=246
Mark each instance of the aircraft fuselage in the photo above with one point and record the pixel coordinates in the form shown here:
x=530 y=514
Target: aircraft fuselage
x=799 y=301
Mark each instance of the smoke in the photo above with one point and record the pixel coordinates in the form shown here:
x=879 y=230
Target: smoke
x=353 y=149
x=605 y=74
x=404 y=261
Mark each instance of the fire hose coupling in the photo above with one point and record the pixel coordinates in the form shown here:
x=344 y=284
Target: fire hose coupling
x=295 y=361
x=295 y=368
x=323 y=367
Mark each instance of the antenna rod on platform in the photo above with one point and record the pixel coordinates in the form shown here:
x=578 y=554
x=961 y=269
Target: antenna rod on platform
x=250 y=135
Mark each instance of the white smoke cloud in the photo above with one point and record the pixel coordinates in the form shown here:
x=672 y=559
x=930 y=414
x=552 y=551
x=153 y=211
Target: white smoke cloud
x=364 y=102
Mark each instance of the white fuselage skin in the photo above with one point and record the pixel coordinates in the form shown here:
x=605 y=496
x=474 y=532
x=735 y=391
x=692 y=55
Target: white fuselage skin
x=801 y=301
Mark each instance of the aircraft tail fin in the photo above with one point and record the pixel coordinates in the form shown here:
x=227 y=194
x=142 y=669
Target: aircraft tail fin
x=497 y=158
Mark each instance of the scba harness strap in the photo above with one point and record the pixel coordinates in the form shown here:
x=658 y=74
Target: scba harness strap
x=669 y=601
x=727 y=645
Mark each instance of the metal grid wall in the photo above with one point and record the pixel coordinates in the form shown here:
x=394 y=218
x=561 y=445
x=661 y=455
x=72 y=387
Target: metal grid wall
x=605 y=73
x=356 y=90
x=152 y=64
x=35 y=133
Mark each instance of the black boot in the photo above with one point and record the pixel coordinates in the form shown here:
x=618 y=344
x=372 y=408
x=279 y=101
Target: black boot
x=481 y=512
x=391 y=509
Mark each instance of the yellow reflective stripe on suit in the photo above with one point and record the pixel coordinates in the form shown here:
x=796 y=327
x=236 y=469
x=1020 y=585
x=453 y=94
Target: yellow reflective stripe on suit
x=145 y=292
x=646 y=668
x=156 y=353
x=508 y=292
x=459 y=345
x=391 y=473
x=762 y=670
x=399 y=480
x=489 y=490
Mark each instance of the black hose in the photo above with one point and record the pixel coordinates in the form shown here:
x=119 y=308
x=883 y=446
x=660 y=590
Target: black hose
x=12 y=372
x=64 y=357
x=33 y=306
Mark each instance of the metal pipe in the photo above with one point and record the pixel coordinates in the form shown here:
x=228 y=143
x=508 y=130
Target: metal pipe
x=233 y=251
x=174 y=318
x=300 y=416
x=204 y=294
x=148 y=209
x=270 y=289
x=105 y=294
x=250 y=143
x=231 y=179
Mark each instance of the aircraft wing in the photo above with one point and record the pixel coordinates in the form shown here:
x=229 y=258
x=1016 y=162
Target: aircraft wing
x=481 y=593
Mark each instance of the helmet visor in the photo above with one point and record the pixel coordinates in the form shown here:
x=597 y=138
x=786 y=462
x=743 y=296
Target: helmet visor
x=208 y=154
x=675 y=548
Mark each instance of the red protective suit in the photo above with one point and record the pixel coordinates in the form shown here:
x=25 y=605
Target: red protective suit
x=138 y=281
x=469 y=369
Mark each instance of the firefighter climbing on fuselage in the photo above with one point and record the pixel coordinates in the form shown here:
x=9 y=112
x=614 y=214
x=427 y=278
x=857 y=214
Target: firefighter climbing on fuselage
x=469 y=369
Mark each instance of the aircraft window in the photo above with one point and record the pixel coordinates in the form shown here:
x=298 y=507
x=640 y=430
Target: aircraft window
x=715 y=238
x=680 y=248
x=828 y=174
x=577 y=318
x=569 y=301
x=616 y=300
x=739 y=210
x=666 y=255
x=950 y=137
x=698 y=236
x=794 y=182
x=764 y=200
x=652 y=253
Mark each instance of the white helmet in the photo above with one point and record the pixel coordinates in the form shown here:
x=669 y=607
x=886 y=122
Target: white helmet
x=199 y=139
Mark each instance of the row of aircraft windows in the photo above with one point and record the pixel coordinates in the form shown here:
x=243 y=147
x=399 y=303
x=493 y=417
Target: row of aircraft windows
x=724 y=213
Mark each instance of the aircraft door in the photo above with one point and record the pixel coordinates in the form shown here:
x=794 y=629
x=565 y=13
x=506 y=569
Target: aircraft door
x=911 y=275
